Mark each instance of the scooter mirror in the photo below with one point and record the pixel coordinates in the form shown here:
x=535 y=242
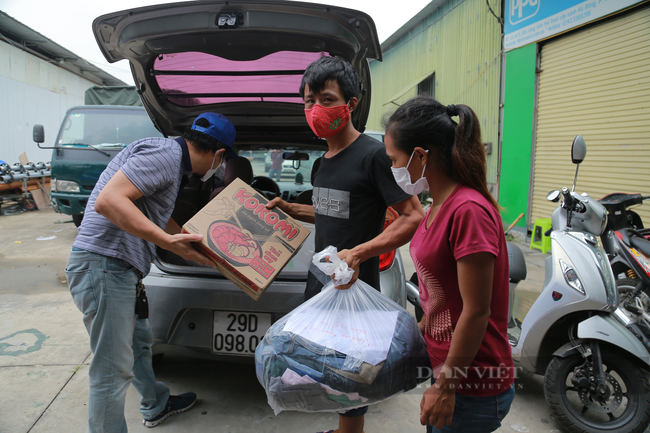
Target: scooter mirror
x=553 y=196
x=578 y=150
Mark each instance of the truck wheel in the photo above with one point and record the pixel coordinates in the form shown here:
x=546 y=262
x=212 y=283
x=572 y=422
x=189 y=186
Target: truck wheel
x=77 y=218
x=625 y=407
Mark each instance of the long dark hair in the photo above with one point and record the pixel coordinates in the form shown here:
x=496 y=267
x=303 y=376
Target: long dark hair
x=424 y=122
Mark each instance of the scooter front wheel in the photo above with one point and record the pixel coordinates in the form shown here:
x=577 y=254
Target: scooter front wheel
x=625 y=407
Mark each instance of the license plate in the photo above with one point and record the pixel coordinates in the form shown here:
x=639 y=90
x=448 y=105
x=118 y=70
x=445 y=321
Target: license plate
x=237 y=333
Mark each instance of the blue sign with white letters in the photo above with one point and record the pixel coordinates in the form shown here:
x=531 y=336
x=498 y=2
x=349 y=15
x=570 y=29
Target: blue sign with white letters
x=528 y=21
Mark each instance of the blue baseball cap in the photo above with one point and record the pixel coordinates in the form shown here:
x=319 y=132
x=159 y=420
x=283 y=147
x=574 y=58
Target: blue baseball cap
x=220 y=129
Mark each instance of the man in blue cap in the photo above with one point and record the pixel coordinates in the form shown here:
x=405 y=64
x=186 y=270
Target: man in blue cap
x=128 y=214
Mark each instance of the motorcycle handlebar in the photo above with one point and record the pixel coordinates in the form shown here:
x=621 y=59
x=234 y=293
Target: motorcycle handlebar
x=568 y=198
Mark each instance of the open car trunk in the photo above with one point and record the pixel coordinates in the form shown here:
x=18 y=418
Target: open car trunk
x=242 y=59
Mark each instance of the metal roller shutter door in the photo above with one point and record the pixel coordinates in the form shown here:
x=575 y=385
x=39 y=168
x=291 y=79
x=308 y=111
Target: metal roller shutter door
x=595 y=82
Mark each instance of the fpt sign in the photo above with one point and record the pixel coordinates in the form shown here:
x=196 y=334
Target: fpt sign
x=529 y=21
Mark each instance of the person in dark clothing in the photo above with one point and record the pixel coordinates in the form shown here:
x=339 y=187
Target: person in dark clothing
x=352 y=188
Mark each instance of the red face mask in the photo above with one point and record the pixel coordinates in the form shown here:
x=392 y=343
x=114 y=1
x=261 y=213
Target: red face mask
x=327 y=121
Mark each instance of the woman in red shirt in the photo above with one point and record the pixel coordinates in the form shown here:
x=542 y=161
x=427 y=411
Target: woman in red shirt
x=461 y=258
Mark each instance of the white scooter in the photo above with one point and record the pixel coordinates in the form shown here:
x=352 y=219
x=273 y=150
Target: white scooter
x=590 y=350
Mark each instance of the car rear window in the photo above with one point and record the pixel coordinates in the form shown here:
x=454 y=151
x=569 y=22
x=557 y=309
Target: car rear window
x=195 y=78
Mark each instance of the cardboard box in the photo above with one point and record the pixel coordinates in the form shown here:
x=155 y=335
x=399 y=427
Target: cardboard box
x=249 y=243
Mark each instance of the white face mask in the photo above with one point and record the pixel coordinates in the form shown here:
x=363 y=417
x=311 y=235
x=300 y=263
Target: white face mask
x=403 y=179
x=208 y=174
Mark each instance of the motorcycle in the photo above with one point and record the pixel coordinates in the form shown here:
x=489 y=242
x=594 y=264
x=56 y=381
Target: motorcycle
x=589 y=348
x=630 y=257
x=627 y=245
x=622 y=218
x=634 y=249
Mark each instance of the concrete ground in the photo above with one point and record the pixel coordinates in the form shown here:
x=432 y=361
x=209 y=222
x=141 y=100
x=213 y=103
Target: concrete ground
x=44 y=356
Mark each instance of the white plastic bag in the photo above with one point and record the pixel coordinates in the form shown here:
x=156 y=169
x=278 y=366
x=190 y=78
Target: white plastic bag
x=340 y=350
x=335 y=267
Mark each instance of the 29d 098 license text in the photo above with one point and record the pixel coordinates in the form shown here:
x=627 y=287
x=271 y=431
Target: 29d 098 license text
x=237 y=333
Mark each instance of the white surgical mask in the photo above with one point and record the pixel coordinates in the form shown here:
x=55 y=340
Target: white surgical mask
x=208 y=174
x=403 y=179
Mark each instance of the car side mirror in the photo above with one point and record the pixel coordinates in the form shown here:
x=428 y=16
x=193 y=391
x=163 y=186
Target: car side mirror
x=578 y=150
x=39 y=134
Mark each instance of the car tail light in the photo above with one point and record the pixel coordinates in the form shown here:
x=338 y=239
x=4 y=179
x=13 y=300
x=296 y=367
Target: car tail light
x=386 y=259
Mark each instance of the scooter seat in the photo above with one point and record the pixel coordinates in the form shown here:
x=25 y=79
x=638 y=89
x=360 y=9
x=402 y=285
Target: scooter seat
x=516 y=262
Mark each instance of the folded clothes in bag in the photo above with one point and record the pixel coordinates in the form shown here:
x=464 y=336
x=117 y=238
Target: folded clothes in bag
x=340 y=350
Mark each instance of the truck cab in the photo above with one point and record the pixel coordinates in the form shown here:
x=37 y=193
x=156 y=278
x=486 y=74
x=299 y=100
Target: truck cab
x=89 y=137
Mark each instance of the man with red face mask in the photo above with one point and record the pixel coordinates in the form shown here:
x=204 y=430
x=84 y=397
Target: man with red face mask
x=352 y=189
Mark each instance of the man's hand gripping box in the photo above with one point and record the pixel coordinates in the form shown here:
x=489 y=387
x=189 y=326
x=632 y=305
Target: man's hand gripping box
x=249 y=243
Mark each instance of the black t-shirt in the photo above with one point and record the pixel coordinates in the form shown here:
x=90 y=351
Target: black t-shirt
x=352 y=190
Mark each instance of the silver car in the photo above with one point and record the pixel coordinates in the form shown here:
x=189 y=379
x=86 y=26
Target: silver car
x=245 y=60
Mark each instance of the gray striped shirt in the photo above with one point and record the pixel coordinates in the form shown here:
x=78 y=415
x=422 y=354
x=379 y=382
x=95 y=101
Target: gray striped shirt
x=154 y=165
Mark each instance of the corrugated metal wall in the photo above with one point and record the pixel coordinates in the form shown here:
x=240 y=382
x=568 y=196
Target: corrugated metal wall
x=595 y=82
x=33 y=91
x=461 y=43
